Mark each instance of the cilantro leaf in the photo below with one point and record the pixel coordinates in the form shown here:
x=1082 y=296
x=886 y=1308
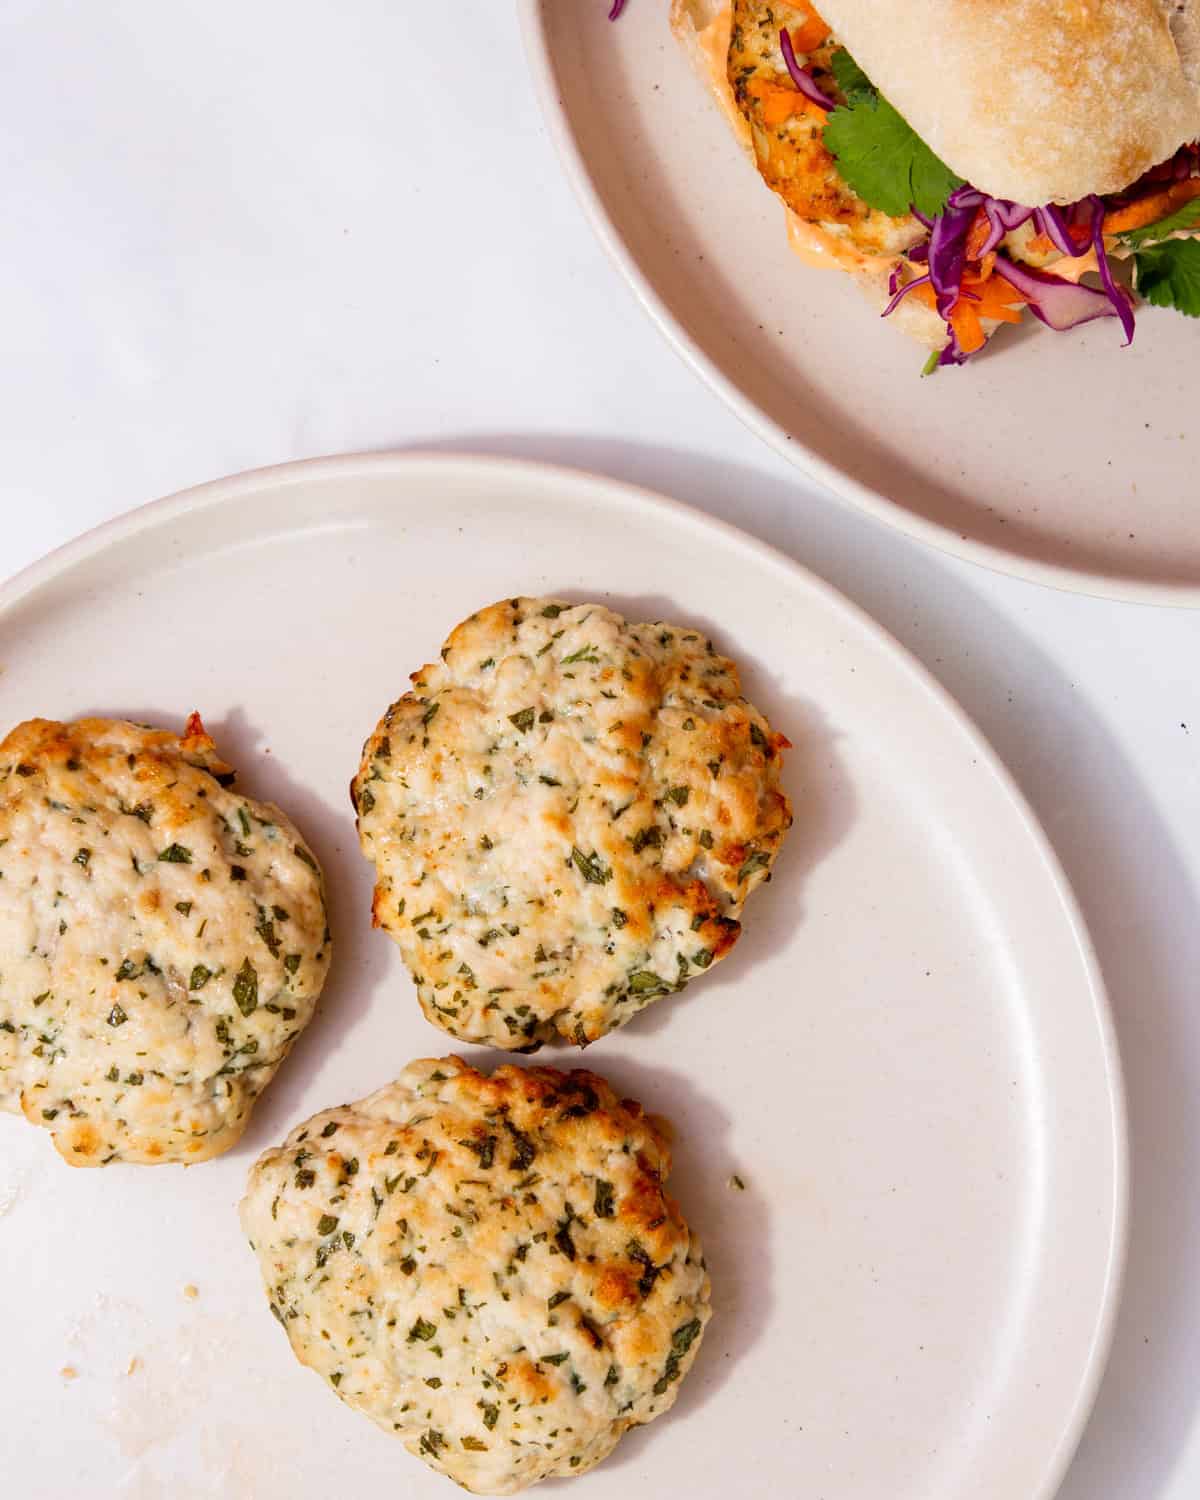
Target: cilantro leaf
x=1187 y=217
x=1169 y=275
x=853 y=82
x=879 y=154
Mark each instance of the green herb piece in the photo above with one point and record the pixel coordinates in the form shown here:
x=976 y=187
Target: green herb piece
x=646 y=982
x=558 y=1299
x=302 y=853
x=326 y=1224
x=591 y=867
x=552 y=611
x=759 y=860
x=612 y=1377
x=1168 y=275
x=562 y=1234
x=585 y=653
x=879 y=154
x=366 y=800
x=184 y=907
x=485 y=1150
x=245 y=988
x=305 y=1177
x=760 y=741
x=1183 y=219
x=647 y=838
x=491 y=1415
x=432 y=1442
x=605 y=1205
x=553 y=1359
x=82 y=856
x=266 y=930
x=329 y=1129
x=408 y=1265
x=336 y=1378
x=706 y=839
x=619 y=918
x=736 y=1182
x=117 y=1016
x=650 y=1272
x=430 y=714
x=199 y=977
x=679 y=795
x=523 y=719
x=549 y=781
x=175 y=854
x=524 y=1150
x=474 y=1444
x=702 y=957
x=681 y=1341
x=128 y=969
x=421 y=1330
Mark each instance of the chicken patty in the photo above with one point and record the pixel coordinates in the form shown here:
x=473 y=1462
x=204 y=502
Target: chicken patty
x=488 y=1267
x=787 y=129
x=162 y=941
x=566 y=817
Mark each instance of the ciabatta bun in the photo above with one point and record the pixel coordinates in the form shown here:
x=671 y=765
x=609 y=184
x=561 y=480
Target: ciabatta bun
x=1040 y=101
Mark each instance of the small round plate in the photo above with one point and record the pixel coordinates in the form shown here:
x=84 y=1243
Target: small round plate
x=1061 y=458
x=907 y=1060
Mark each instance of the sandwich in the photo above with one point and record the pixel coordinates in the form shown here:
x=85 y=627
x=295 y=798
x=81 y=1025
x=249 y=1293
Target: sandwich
x=970 y=163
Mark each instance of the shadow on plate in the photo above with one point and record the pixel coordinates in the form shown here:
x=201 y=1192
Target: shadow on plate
x=1109 y=836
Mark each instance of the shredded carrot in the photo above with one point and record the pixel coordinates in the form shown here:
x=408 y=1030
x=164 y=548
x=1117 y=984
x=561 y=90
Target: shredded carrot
x=808 y=38
x=967 y=327
x=977 y=234
x=995 y=299
x=780 y=102
x=991 y=297
x=1149 y=210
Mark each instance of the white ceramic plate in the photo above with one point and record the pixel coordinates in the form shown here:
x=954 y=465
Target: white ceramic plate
x=908 y=1058
x=1062 y=458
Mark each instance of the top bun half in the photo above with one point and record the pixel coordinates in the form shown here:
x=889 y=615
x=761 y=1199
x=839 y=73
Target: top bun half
x=1039 y=101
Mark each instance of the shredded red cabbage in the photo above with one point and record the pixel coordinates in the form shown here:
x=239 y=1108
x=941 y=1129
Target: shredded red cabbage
x=1112 y=291
x=900 y=292
x=801 y=77
x=1059 y=303
x=617 y=7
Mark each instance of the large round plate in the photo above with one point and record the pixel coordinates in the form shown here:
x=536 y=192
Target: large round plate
x=908 y=1059
x=1062 y=458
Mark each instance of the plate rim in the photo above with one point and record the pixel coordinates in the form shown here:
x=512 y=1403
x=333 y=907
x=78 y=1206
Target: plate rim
x=231 y=489
x=843 y=488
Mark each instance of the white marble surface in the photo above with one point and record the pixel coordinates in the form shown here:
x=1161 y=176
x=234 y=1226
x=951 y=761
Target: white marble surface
x=234 y=235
